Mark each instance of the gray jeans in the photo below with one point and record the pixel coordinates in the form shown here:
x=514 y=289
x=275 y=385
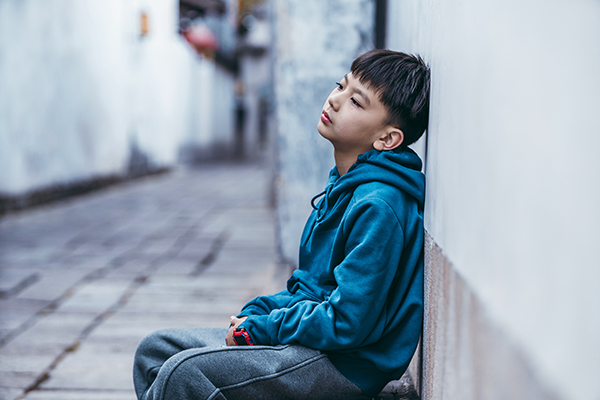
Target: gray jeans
x=194 y=364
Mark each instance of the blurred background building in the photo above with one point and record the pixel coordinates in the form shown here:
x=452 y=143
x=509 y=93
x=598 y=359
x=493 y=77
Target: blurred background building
x=97 y=91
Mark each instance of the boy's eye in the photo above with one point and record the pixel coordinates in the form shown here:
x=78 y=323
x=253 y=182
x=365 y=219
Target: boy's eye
x=356 y=103
x=339 y=86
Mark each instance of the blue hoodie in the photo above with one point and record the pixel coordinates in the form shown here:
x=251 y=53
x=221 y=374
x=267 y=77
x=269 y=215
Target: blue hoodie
x=357 y=294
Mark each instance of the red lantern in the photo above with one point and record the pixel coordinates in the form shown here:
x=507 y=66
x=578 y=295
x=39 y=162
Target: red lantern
x=202 y=39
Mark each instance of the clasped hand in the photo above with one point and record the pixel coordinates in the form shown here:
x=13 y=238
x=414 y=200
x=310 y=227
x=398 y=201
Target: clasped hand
x=235 y=323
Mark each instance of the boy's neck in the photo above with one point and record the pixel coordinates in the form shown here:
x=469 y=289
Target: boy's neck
x=344 y=161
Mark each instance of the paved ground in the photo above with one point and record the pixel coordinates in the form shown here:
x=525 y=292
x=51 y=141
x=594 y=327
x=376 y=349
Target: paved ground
x=83 y=281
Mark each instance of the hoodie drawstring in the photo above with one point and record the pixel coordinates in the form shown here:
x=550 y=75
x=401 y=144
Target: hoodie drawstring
x=312 y=201
x=322 y=207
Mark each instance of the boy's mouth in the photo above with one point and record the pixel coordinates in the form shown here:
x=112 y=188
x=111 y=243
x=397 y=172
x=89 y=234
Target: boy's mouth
x=325 y=117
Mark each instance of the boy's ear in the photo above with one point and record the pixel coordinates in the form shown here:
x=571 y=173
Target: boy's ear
x=392 y=138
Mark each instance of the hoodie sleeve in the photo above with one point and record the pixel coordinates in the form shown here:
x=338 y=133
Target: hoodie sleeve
x=355 y=313
x=263 y=305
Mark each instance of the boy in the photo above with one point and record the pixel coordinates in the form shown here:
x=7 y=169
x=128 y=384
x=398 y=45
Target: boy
x=351 y=316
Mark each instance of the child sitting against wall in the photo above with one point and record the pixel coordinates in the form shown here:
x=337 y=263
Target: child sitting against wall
x=350 y=318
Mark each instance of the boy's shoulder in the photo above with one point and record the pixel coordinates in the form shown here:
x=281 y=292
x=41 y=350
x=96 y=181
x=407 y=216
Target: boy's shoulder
x=374 y=189
x=383 y=195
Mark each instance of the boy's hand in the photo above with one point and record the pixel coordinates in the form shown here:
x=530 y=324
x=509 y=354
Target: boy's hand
x=235 y=322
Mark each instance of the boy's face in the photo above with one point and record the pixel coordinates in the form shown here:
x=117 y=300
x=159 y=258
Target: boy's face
x=353 y=118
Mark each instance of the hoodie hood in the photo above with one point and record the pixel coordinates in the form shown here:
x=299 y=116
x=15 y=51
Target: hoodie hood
x=400 y=168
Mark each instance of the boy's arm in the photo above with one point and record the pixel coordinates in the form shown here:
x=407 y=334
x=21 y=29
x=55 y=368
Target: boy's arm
x=355 y=313
x=263 y=305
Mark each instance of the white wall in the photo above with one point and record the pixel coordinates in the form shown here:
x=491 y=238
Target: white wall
x=513 y=186
x=316 y=43
x=213 y=107
x=80 y=89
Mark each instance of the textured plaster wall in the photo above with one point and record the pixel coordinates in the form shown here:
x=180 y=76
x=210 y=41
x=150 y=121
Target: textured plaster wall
x=466 y=355
x=316 y=42
x=83 y=94
x=512 y=194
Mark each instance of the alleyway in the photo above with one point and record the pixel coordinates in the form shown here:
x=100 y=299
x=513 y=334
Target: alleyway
x=84 y=280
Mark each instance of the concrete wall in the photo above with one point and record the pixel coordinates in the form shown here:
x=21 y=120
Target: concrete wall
x=512 y=196
x=316 y=42
x=83 y=94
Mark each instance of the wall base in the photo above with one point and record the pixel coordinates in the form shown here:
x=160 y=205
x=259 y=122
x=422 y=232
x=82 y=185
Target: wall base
x=465 y=356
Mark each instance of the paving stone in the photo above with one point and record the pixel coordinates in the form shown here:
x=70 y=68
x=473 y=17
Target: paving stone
x=95 y=249
x=80 y=395
x=157 y=245
x=32 y=363
x=52 y=284
x=51 y=335
x=95 y=297
x=94 y=364
x=87 y=262
x=14 y=312
x=177 y=267
x=129 y=271
x=17 y=380
x=31 y=255
x=11 y=279
x=196 y=249
x=174 y=284
x=133 y=326
x=7 y=393
x=183 y=303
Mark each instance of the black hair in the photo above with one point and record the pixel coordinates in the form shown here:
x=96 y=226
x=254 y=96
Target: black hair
x=402 y=83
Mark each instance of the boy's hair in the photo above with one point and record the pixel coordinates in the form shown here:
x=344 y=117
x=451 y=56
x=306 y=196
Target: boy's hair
x=402 y=83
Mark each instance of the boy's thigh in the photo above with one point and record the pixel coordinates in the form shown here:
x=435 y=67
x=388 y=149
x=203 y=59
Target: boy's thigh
x=267 y=372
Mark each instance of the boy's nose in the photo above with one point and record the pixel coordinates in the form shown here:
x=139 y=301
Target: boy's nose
x=334 y=101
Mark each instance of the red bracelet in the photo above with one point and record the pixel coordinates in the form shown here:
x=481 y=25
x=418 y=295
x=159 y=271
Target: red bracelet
x=242 y=337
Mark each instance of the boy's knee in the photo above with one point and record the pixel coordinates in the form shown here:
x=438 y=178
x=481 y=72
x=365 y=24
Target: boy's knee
x=147 y=361
x=183 y=379
x=156 y=344
x=150 y=341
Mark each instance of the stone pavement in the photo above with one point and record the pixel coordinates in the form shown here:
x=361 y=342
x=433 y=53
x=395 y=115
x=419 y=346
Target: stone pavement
x=84 y=280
